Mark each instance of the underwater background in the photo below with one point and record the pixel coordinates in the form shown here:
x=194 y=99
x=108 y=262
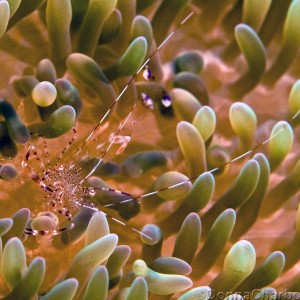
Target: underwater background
x=149 y=149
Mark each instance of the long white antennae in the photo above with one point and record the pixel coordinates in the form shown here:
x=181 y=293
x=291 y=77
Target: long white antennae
x=109 y=146
x=114 y=219
x=129 y=83
x=249 y=152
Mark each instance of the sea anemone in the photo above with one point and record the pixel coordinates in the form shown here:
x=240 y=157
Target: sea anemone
x=176 y=121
